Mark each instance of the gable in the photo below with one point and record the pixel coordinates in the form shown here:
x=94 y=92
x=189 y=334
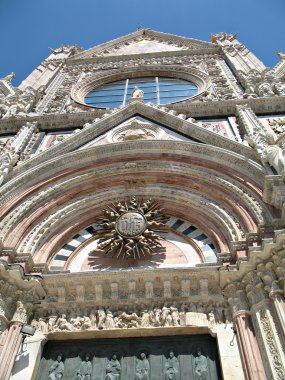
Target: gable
x=143 y=46
x=162 y=116
x=143 y=41
x=136 y=128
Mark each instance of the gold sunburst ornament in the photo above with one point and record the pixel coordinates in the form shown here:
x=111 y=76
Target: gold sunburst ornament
x=128 y=229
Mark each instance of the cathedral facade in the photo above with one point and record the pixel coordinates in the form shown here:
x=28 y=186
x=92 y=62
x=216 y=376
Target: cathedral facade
x=142 y=229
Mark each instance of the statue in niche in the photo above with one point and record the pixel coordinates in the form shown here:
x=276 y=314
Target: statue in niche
x=142 y=368
x=201 y=366
x=171 y=367
x=56 y=369
x=85 y=369
x=113 y=368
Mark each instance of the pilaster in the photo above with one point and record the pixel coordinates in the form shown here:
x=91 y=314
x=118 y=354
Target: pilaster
x=273 y=344
x=252 y=362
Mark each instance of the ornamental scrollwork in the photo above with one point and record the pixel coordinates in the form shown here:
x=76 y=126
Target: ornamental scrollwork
x=129 y=229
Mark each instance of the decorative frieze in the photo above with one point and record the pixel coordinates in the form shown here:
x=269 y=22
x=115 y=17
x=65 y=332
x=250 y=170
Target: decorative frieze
x=165 y=315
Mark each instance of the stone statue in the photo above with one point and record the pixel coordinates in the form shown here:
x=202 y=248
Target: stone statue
x=109 y=320
x=86 y=323
x=174 y=316
x=201 y=366
x=51 y=322
x=101 y=318
x=62 y=324
x=113 y=368
x=171 y=367
x=142 y=368
x=280 y=88
x=274 y=155
x=20 y=314
x=56 y=369
x=85 y=369
x=42 y=326
x=137 y=93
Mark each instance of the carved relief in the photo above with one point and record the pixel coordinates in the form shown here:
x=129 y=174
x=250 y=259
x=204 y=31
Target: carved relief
x=201 y=366
x=135 y=359
x=56 y=369
x=199 y=314
x=127 y=230
x=113 y=368
x=142 y=368
x=136 y=131
x=278 y=125
x=271 y=346
x=85 y=369
x=264 y=84
x=172 y=368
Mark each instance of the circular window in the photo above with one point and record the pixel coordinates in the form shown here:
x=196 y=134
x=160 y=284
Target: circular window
x=158 y=90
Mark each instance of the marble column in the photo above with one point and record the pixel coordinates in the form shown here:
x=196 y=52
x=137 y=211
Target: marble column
x=251 y=358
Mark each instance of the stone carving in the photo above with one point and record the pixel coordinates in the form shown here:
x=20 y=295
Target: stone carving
x=20 y=313
x=19 y=103
x=142 y=368
x=278 y=125
x=85 y=369
x=194 y=314
x=274 y=155
x=172 y=367
x=201 y=366
x=14 y=149
x=113 y=368
x=137 y=93
x=7 y=161
x=8 y=78
x=271 y=346
x=63 y=325
x=264 y=84
x=135 y=134
x=127 y=230
x=56 y=369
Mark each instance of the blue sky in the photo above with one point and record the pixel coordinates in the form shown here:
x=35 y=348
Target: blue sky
x=28 y=27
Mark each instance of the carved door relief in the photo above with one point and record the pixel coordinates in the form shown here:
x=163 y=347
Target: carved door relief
x=155 y=358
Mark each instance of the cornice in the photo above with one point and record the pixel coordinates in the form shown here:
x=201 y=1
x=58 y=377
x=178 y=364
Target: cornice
x=127 y=57
x=201 y=110
x=187 y=43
